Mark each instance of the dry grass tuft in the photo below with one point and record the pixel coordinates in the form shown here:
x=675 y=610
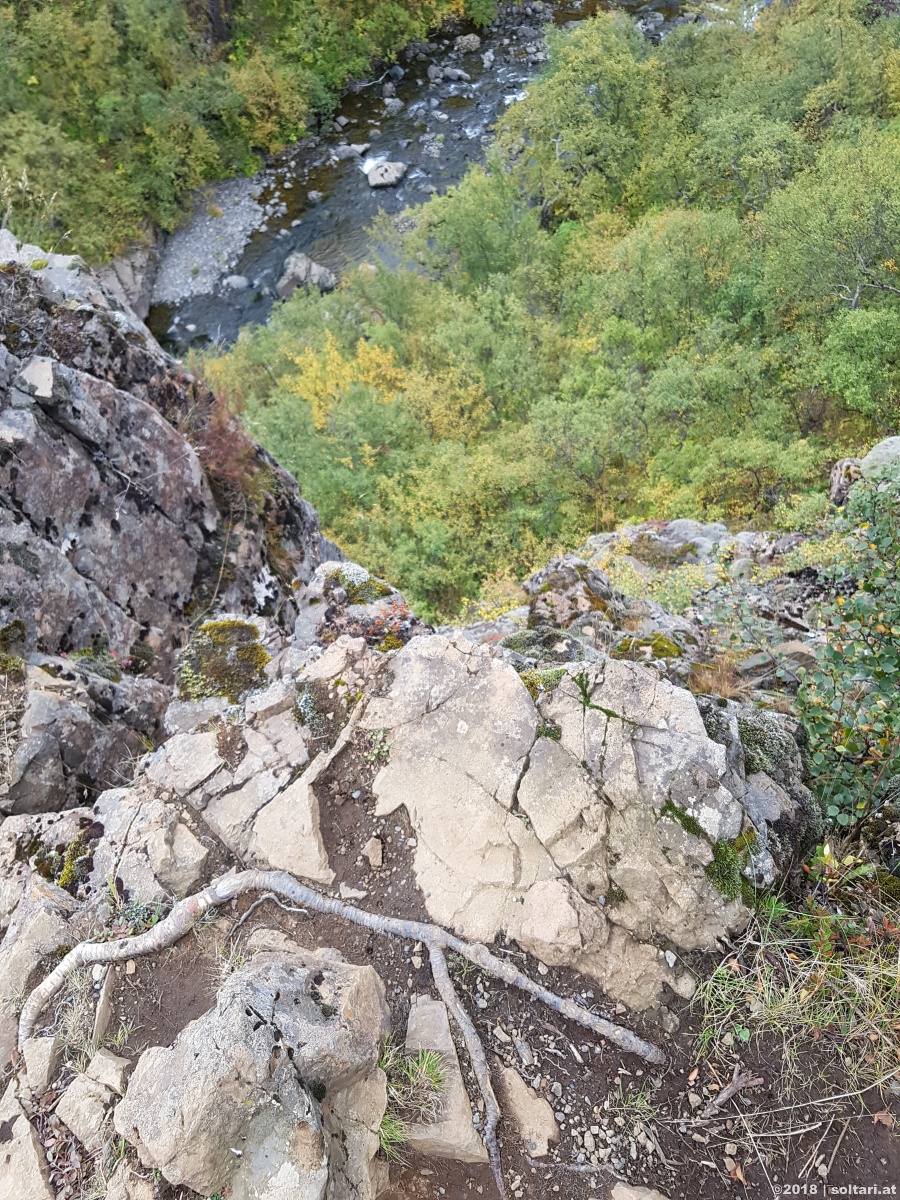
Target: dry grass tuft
x=824 y=986
x=720 y=677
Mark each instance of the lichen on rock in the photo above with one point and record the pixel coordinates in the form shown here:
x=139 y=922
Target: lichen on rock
x=767 y=744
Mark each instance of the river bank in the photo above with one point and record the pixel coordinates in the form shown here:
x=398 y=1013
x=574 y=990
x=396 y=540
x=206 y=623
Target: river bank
x=433 y=112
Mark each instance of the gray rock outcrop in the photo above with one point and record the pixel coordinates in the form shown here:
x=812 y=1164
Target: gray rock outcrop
x=23 y=1170
x=884 y=456
x=123 y=511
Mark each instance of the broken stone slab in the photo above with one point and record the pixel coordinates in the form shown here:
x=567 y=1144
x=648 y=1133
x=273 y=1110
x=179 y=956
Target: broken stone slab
x=145 y=845
x=110 y=1069
x=176 y=857
x=184 y=716
x=278 y=697
x=23 y=1168
x=84 y=1108
x=41 y=1056
x=452 y=1134
x=386 y=174
x=630 y=1191
x=126 y=1184
x=185 y=761
x=229 y=815
x=531 y=1113
x=286 y=833
x=228 y=1081
x=352 y=1121
x=373 y=850
x=103 y=1011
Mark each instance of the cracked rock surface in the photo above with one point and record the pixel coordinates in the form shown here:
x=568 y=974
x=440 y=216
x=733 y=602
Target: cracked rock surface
x=243 y=1096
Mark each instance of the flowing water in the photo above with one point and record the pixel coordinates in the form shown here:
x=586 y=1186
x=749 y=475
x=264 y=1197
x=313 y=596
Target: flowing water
x=334 y=231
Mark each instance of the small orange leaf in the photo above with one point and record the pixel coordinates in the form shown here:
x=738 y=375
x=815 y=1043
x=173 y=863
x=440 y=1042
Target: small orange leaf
x=883 y=1118
x=737 y=1173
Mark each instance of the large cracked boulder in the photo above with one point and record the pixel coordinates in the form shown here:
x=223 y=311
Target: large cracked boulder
x=246 y=1097
x=507 y=845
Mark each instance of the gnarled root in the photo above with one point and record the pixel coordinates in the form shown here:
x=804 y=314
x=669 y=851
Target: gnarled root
x=186 y=913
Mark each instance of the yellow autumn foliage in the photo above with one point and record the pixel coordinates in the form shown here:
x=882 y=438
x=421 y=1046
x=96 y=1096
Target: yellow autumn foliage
x=327 y=375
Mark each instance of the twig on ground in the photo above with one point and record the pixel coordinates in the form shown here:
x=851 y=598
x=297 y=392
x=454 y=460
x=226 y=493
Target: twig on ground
x=738 y=1081
x=837 y=1146
x=807 y=1166
x=759 y=1156
x=771 y=1112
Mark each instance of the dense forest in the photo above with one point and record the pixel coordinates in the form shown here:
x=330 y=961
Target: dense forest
x=671 y=292
x=111 y=111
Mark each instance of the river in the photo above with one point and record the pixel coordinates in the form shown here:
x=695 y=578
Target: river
x=218 y=273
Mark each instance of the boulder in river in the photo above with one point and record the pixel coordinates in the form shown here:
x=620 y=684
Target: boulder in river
x=386 y=174
x=301 y=271
x=468 y=43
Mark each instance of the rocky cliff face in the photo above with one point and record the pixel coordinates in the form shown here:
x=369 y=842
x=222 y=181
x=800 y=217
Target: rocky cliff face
x=196 y=682
x=131 y=504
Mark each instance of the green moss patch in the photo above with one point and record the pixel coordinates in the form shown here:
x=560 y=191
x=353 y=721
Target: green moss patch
x=12 y=666
x=224 y=658
x=659 y=646
x=724 y=872
x=688 y=823
x=538 y=681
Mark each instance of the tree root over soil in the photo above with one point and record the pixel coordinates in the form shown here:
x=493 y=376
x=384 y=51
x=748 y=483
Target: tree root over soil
x=186 y=913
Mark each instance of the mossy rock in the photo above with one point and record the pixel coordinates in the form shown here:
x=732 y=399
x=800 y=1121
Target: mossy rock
x=360 y=586
x=888 y=884
x=525 y=642
x=98 y=661
x=390 y=641
x=539 y=681
x=658 y=644
x=767 y=744
x=12 y=635
x=68 y=866
x=724 y=872
x=224 y=658
x=549 y=729
x=688 y=823
x=654 y=553
x=547 y=643
x=11 y=666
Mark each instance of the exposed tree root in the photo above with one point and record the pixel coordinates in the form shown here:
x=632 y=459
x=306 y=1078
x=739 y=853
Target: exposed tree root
x=186 y=913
